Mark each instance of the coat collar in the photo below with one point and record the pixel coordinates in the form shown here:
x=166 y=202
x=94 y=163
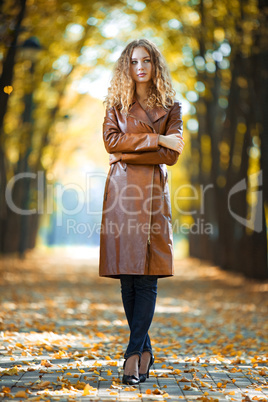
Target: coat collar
x=148 y=117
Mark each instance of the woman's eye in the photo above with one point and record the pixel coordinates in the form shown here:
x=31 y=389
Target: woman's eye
x=133 y=62
x=147 y=60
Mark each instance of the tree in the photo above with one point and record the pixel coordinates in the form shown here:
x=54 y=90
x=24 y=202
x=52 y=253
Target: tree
x=230 y=137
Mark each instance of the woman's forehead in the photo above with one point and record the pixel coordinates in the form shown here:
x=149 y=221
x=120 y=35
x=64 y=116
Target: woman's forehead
x=139 y=52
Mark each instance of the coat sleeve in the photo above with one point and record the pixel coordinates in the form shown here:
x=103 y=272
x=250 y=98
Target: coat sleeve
x=117 y=141
x=163 y=155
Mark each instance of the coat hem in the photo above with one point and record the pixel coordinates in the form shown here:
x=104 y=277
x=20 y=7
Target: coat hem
x=117 y=276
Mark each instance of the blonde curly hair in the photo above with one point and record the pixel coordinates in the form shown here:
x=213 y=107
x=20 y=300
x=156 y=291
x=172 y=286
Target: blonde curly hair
x=122 y=87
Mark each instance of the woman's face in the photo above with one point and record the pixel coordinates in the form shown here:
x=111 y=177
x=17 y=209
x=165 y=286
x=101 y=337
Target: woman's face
x=140 y=65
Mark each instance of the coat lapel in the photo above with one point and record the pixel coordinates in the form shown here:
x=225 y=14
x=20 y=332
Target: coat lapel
x=156 y=113
x=149 y=117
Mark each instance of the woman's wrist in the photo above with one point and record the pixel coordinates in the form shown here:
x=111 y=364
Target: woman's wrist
x=162 y=140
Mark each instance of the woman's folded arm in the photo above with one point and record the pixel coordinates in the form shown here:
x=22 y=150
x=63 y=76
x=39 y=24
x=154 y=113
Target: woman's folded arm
x=164 y=155
x=117 y=141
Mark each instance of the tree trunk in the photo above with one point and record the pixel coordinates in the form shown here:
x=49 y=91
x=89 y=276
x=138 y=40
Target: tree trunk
x=6 y=80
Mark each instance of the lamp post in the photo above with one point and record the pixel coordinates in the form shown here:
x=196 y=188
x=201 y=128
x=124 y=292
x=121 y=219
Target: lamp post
x=29 y=51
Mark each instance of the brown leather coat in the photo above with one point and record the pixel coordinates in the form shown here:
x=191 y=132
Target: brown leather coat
x=136 y=231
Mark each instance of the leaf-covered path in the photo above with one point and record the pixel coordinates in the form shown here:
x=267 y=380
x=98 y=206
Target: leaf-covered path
x=63 y=334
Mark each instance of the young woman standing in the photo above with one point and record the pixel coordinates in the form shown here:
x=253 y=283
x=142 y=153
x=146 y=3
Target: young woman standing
x=142 y=132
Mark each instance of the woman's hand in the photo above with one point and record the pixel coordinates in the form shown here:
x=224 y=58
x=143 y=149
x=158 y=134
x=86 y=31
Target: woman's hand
x=172 y=141
x=115 y=157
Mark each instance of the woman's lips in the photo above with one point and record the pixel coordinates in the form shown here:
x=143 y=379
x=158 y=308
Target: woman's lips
x=141 y=75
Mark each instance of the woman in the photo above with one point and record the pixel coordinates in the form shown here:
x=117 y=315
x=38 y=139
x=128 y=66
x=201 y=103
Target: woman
x=142 y=132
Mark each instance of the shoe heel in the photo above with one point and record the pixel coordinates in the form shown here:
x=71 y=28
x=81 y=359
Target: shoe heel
x=146 y=375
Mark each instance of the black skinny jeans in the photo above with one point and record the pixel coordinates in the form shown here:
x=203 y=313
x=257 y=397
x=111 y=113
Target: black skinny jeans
x=139 y=294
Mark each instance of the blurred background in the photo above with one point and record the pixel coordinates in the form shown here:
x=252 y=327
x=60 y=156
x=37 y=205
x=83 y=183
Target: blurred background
x=56 y=61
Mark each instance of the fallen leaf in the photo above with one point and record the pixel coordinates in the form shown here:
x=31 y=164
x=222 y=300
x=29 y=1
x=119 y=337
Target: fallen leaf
x=21 y=394
x=184 y=379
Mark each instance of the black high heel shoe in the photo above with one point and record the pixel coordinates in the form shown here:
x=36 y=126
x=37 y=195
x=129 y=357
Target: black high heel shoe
x=129 y=379
x=146 y=375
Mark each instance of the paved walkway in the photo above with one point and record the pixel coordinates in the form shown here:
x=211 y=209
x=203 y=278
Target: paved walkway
x=63 y=334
